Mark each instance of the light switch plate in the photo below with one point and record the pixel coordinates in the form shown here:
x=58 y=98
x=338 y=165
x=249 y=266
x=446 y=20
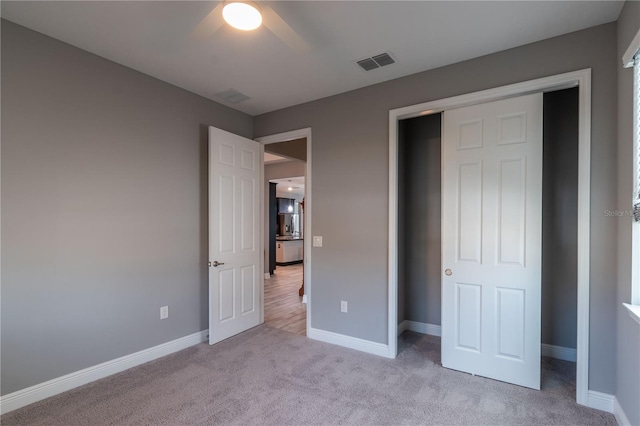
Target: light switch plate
x=317 y=241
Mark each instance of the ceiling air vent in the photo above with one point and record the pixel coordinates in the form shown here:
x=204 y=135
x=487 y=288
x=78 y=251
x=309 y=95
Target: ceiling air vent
x=377 y=61
x=232 y=96
x=368 y=64
x=383 y=59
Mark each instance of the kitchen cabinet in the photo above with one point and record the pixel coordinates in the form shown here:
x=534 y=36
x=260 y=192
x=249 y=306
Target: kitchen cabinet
x=286 y=205
x=279 y=252
x=289 y=251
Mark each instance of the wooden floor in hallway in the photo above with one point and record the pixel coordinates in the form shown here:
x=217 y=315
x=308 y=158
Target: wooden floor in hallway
x=283 y=308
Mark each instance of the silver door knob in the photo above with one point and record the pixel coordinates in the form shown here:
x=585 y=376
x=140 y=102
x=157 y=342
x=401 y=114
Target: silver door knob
x=216 y=263
x=448 y=272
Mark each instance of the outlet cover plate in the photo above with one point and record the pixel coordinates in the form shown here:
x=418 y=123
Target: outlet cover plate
x=317 y=241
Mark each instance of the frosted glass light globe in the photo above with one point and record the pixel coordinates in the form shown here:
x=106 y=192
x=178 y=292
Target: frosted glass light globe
x=242 y=16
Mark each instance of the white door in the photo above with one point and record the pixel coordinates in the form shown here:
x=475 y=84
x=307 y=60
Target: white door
x=234 y=226
x=492 y=239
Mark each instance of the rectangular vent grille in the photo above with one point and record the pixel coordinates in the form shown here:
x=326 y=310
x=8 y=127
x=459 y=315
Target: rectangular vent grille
x=383 y=59
x=368 y=64
x=232 y=96
x=374 y=62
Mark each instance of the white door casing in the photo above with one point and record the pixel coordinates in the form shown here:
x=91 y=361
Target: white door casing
x=234 y=234
x=492 y=239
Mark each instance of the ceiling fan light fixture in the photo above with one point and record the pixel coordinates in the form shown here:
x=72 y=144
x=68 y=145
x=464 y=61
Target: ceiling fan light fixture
x=241 y=15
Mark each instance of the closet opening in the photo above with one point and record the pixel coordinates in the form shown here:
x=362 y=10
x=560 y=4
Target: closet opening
x=419 y=250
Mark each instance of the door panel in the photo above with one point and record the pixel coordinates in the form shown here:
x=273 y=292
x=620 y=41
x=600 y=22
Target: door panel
x=248 y=289
x=510 y=323
x=248 y=160
x=234 y=202
x=248 y=195
x=226 y=305
x=226 y=154
x=511 y=210
x=225 y=218
x=469 y=318
x=470 y=134
x=470 y=212
x=491 y=233
x=512 y=128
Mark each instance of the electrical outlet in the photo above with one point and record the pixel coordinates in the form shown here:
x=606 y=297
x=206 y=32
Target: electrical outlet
x=343 y=306
x=317 y=241
x=164 y=312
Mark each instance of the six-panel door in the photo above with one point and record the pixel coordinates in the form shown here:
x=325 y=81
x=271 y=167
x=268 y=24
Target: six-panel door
x=234 y=226
x=492 y=236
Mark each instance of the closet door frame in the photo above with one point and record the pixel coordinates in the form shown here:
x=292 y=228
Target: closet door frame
x=580 y=79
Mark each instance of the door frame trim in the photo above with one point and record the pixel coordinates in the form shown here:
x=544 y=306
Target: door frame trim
x=284 y=137
x=580 y=79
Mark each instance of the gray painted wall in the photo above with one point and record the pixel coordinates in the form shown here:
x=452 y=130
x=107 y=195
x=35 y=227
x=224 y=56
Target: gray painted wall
x=419 y=213
x=628 y=332
x=285 y=170
x=560 y=219
x=104 y=208
x=350 y=152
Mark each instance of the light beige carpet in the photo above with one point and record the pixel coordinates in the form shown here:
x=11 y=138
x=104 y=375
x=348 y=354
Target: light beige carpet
x=270 y=377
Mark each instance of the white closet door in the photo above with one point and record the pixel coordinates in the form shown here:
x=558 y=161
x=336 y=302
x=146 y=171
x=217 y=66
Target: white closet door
x=492 y=239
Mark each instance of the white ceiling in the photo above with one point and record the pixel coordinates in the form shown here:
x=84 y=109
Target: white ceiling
x=154 y=38
x=270 y=158
x=295 y=183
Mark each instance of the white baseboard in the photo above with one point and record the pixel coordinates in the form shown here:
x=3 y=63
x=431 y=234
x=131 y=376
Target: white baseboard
x=69 y=381
x=619 y=413
x=349 y=342
x=267 y=276
x=402 y=327
x=558 y=352
x=419 y=327
x=600 y=401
